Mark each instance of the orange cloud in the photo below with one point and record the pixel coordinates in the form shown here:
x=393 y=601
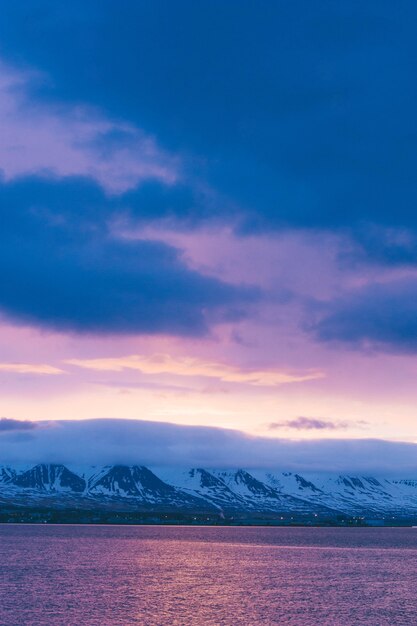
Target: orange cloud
x=29 y=368
x=189 y=366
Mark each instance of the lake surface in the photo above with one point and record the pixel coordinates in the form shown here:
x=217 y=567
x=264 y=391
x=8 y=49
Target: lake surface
x=153 y=575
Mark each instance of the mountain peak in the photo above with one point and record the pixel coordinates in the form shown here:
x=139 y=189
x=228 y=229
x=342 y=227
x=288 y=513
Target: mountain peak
x=199 y=489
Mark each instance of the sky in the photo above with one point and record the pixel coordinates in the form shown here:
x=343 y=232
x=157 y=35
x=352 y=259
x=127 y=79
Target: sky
x=208 y=219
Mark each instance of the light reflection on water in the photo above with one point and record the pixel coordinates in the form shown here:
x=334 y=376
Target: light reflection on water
x=108 y=575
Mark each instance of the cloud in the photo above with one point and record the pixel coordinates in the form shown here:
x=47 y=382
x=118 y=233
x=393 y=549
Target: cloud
x=106 y=441
x=310 y=136
x=301 y=129
x=66 y=172
x=73 y=140
x=7 y=424
x=380 y=317
x=379 y=245
x=62 y=267
x=309 y=423
x=30 y=368
x=192 y=366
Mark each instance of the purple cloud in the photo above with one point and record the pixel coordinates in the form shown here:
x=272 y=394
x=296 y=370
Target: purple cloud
x=309 y=423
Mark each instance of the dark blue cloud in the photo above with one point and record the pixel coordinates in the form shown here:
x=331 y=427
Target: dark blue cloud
x=61 y=267
x=379 y=317
x=80 y=201
x=296 y=115
x=302 y=113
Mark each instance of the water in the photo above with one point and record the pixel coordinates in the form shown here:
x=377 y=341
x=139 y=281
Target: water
x=152 y=576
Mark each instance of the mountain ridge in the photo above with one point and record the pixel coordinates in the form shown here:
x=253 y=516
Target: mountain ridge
x=225 y=491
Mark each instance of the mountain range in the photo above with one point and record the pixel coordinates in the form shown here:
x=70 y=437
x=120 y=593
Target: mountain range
x=227 y=492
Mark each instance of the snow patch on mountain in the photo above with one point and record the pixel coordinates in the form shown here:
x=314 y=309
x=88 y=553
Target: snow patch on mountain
x=200 y=489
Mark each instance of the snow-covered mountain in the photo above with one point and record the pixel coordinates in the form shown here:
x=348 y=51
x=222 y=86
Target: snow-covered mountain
x=202 y=490
x=350 y=494
x=49 y=478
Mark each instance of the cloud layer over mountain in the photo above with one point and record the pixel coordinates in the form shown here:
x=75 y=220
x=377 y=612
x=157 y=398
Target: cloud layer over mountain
x=110 y=441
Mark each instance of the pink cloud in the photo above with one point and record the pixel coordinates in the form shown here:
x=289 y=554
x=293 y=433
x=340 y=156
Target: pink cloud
x=52 y=140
